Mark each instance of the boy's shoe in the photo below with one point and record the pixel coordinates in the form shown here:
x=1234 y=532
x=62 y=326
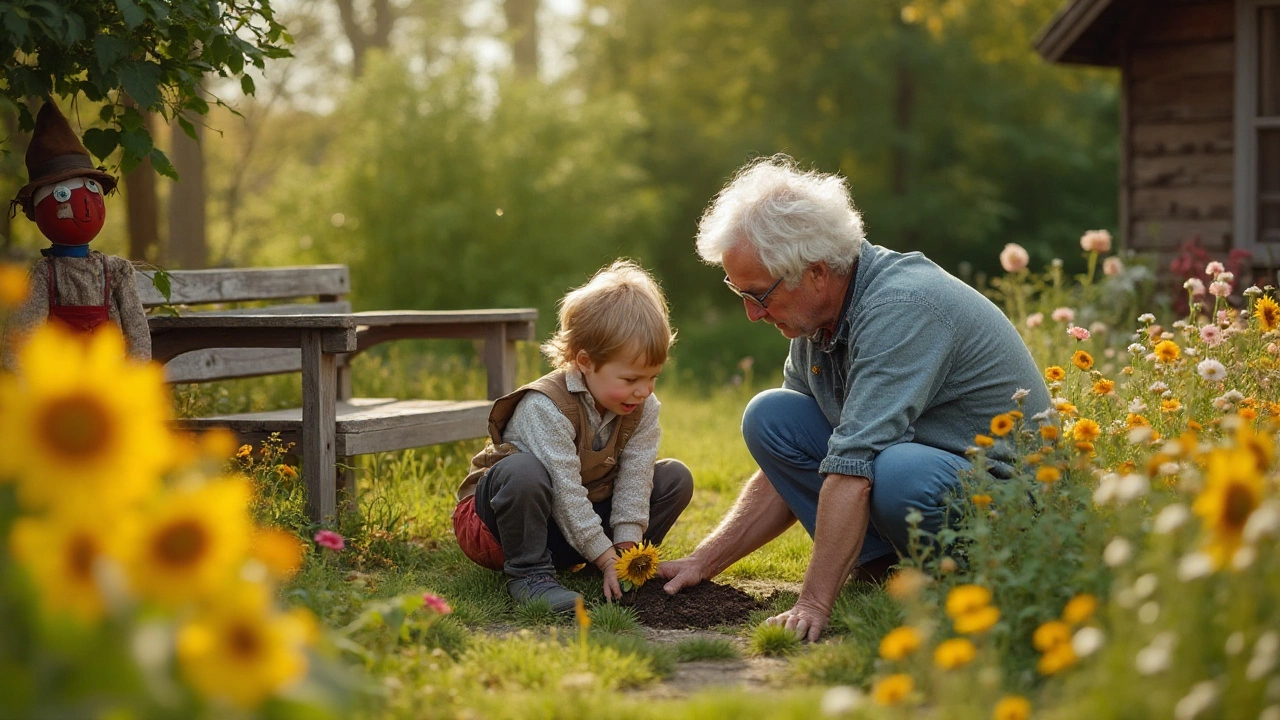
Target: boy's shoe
x=543 y=587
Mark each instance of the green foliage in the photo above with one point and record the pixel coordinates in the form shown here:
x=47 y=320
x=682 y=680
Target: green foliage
x=615 y=618
x=157 y=52
x=706 y=648
x=773 y=640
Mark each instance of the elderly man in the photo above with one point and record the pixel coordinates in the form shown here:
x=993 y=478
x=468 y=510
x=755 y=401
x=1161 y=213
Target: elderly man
x=895 y=365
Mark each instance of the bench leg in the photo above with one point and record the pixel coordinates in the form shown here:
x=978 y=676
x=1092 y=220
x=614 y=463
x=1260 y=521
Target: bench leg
x=499 y=361
x=319 y=418
x=347 y=485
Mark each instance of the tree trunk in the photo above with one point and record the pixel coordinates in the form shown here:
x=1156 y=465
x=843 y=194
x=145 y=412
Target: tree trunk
x=141 y=206
x=522 y=31
x=363 y=40
x=188 y=246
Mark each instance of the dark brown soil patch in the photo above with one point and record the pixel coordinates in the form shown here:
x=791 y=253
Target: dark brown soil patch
x=704 y=605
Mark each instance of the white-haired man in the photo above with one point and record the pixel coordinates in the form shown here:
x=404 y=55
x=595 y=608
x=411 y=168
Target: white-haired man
x=894 y=367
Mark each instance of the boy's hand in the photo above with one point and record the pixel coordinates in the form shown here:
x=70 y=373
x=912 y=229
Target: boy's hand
x=612 y=590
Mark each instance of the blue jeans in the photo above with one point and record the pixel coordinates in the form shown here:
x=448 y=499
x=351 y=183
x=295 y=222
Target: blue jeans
x=787 y=435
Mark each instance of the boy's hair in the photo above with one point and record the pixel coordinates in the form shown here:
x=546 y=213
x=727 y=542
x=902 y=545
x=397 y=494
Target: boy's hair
x=621 y=306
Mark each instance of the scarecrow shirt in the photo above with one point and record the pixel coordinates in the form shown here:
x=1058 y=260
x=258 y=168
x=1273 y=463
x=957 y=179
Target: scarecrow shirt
x=917 y=356
x=538 y=427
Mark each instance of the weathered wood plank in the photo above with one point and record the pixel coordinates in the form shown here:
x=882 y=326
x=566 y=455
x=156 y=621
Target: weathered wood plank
x=1162 y=24
x=1180 y=60
x=1214 y=137
x=1182 y=99
x=499 y=358
x=337 y=307
x=174 y=340
x=1203 y=171
x=194 y=287
x=226 y=363
x=319 y=414
x=415 y=423
x=1167 y=234
x=1200 y=203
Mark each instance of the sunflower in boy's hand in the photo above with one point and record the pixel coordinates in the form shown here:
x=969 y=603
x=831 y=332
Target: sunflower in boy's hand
x=636 y=565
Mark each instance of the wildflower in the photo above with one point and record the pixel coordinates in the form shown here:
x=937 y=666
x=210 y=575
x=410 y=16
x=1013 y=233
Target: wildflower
x=279 y=551
x=1087 y=641
x=1170 y=518
x=1049 y=432
x=1267 y=313
x=841 y=700
x=892 y=689
x=1013 y=707
x=954 y=653
x=1064 y=407
x=1132 y=487
x=982 y=501
x=1079 y=609
x=1172 y=405
x=1157 y=656
x=1117 y=552
x=1146 y=318
x=1211 y=370
x=1078 y=333
x=1104 y=387
x=1048 y=474
x=1014 y=257
x=245 y=452
x=286 y=471
x=906 y=584
x=1082 y=360
x=81 y=422
x=1194 y=286
x=193 y=542
x=977 y=621
x=15 y=285
x=436 y=604
x=1063 y=315
x=638 y=564
x=1202 y=696
x=1098 y=241
x=1264 y=522
x=1020 y=394
x=1233 y=490
x=1053 y=373
x=1034 y=458
x=240 y=650
x=1252 y=291
x=1213 y=268
x=1001 y=424
x=1167 y=351
x=964 y=599
x=1248 y=414
x=899 y=643
x=63 y=552
x=1112 y=266
x=1218 y=288
x=1035 y=319
x=1050 y=635
x=1057 y=660
x=1211 y=335
x=1194 y=566
x=331 y=540
x=1086 y=430
x=984 y=441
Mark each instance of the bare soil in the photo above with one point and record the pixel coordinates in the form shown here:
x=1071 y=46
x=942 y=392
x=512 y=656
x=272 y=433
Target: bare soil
x=705 y=605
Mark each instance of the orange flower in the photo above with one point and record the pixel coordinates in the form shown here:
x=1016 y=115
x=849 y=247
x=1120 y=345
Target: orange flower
x=1104 y=387
x=1001 y=424
x=1049 y=432
x=982 y=501
x=1048 y=474
x=983 y=441
x=1053 y=373
x=1085 y=430
x=1082 y=360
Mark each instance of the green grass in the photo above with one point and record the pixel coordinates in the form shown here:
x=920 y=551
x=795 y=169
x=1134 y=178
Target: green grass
x=706 y=648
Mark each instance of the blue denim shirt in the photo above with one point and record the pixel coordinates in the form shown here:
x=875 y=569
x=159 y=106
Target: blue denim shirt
x=917 y=356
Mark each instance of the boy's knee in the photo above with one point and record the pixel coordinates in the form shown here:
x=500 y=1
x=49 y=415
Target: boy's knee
x=518 y=476
x=673 y=481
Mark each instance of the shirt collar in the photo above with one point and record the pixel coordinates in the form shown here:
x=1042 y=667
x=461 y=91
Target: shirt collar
x=826 y=339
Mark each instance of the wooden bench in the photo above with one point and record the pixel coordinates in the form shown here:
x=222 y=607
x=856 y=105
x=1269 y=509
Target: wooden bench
x=310 y=329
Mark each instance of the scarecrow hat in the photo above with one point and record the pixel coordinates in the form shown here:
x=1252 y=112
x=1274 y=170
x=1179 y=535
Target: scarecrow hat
x=55 y=154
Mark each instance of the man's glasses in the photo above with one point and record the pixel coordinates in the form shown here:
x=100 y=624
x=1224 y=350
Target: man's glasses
x=761 y=300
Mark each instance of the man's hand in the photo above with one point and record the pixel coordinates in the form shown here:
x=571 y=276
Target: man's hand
x=612 y=590
x=805 y=620
x=682 y=573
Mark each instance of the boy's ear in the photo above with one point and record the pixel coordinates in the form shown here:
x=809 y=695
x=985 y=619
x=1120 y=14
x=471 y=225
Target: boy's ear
x=583 y=360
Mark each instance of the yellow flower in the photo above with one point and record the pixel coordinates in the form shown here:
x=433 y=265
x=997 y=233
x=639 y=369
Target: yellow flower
x=1171 y=405
x=1056 y=660
x=954 y=653
x=1080 y=608
x=580 y=612
x=286 y=471
x=1053 y=373
x=892 y=689
x=638 y=564
x=1082 y=360
x=1104 y=387
x=1035 y=458
x=1085 y=430
x=64 y=552
x=1051 y=635
x=983 y=441
x=977 y=621
x=964 y=599
x=1233 y=490
x=899 y=643
x=1001 y=424
x=15 y=285
x=245 y=452
x=981 y=500
x=279 y=551
x=1064 y=407
x=193 y=542
x=1085 y=446
x=906 y=584
x=1167 y=351
x=240 y=650
x=1134 y=420
x=1049 y=432
x=81 y=423
x=1248 y=414
x=1267 y=313
x=1012 y=707
x=1256 y=444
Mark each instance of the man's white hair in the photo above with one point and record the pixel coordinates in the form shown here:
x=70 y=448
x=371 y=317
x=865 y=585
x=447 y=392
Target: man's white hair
x=793 y=218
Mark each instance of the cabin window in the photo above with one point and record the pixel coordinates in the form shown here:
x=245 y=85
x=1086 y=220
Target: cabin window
x=1258 y=128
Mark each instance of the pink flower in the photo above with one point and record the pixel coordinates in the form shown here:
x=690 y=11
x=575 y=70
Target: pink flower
x=1014 y=257
x=1098 y=241
x=330 y=539
x=1195 y=286
x=1219 y=289
x=1112 y=266
x=435 y=604
x=1063 y=315
x=1211 y=335
x=1034 y=319
x=1213 y=268
x=1078 y=333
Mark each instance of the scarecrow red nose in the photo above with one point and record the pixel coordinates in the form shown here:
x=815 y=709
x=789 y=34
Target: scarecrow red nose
x=71 y=216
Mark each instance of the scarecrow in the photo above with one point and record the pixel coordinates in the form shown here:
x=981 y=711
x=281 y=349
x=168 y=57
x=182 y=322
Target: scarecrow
x=80 y=288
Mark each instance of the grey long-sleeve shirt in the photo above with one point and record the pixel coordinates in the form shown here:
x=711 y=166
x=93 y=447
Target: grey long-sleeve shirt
x=538 y=427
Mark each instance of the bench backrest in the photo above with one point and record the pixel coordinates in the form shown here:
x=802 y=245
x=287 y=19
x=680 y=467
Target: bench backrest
x=320 y=288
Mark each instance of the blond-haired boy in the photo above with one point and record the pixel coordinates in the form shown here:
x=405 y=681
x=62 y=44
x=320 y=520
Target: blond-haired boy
x=572 y=474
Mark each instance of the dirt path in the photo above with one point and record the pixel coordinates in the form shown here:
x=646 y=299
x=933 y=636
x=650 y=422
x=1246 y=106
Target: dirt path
x=689 y=678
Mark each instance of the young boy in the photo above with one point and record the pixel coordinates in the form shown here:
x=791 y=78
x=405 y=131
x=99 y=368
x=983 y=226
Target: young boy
x=570 y=476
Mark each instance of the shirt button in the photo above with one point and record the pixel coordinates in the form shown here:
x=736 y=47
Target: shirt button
x=816 y=370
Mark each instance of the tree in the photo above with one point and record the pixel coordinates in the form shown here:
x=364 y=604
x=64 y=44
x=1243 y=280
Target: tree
x=522 y=32
x=362 y=37
x=155 y=51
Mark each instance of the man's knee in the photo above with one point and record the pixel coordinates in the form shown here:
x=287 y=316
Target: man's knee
x=763 y=412
x=911 y=477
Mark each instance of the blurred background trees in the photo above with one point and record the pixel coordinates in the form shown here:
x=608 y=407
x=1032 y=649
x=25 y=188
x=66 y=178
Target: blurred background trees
x=495 y=152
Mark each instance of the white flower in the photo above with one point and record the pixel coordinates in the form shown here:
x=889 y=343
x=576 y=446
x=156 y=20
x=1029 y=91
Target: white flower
x=1132 y=487
x=1263 y=522
x=1260 y=665
x=1148 y=613
x=1117 y=552
x=1235 y=643
x=1087 y=641
x=1135 y=349
x=1211 y=370
x=841 y=700
x=1014 y=257
x=1106 y=489
x=1020 y=394
x=1253 y=291
x=1244 y=557
x=1146 y=318
x=1211 y=335
x=1156 y=656
x=1140 y=434
x=1158 y=387
x=1271 y=713
x=1137 y=405
x=1145 y=585
x=1194 y=566
x=1233 y=396
x=1170 y=518
x=1225 y=277
x=1201 y=698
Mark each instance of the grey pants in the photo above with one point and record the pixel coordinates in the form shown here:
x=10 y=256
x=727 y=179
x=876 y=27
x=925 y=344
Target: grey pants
x=513 y=500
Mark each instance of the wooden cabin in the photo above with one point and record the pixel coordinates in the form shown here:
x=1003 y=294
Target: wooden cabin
x=1199 y=117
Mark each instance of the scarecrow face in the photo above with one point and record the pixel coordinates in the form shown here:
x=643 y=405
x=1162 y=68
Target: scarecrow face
x=70 y=212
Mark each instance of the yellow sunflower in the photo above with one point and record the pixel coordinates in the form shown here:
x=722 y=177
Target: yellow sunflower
x=1167 y=351
x=1001 y=424
x=1232 y=492
x=899 y=643
x=954 y=653
x=279 y=551
x=637 y=565
x=1082 y=360
x=15 y=285
x=893 y=689
x=65 y=553
x=1053 y=373
x=1256 y=444
x=193 y=542
x=1267 y=313
x=80 y=422
x=242 y=651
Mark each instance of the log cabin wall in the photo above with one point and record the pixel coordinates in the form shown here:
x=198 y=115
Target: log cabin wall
x=1178 y=68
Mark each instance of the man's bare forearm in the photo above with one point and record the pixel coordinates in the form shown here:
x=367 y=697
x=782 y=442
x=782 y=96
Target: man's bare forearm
x=757 y=516
x=844 y=512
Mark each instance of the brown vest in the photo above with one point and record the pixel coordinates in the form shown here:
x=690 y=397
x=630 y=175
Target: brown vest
x=599 y=467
